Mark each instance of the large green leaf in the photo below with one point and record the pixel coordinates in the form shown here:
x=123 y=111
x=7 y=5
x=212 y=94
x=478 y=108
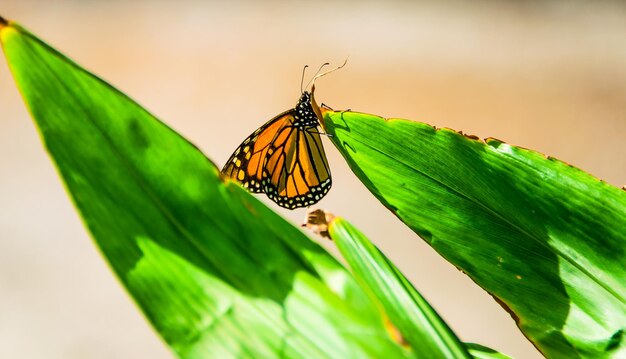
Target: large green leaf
x=546 y=239
x=481 y=352
x=415 y=319
x=418 y=323
x=216 y=272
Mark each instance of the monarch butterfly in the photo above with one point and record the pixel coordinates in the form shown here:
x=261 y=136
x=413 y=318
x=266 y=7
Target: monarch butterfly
x=285 y=158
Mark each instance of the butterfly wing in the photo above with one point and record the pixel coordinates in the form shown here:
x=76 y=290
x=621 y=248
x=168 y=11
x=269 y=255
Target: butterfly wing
x=286 y=162
x=285 y=158
x=296 y=172
x=246 y=163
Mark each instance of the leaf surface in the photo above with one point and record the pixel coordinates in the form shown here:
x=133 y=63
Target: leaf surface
x=418 y=323
x=216 y=272
x=547 y=240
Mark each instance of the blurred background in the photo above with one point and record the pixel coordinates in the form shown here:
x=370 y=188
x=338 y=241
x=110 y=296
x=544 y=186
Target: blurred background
x=550 y=76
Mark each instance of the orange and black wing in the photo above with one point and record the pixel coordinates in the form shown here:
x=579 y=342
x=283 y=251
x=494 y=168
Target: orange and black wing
x=296 y=171
x=286 y=163
x=246 y=163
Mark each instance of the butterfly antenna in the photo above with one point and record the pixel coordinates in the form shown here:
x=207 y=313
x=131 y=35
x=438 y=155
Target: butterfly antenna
x=318 y=75
x=302 y=79
x=318 y=71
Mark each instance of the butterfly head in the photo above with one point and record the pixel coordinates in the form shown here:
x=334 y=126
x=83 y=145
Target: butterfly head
x=307 y=105
x=305 y=98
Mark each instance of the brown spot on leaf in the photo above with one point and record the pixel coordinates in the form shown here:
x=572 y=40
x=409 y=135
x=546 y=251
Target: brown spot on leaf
x=317 y=221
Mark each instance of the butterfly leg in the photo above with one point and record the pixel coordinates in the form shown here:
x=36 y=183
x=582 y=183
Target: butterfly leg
x=322 y=134
x=326 y=107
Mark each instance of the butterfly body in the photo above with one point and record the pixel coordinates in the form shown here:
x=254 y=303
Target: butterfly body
x=284 y=158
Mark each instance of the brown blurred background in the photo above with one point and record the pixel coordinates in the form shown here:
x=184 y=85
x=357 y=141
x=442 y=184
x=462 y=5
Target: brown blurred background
x=550 y=76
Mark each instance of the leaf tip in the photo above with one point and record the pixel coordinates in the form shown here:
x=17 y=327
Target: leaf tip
x=4 y=23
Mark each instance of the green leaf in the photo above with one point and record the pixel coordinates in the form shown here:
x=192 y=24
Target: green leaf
x=418 y=323
x=481 y=352
x=215 y=271
x=546 y=239
x=415 y=319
